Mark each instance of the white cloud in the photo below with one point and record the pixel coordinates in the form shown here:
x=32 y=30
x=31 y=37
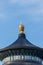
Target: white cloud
x=24 y=1
x=36 y=8
x=33 y=8
x=2 y=15
x=2 y=9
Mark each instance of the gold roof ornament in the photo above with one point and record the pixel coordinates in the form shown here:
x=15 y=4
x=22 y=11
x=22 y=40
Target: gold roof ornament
x=21 y=28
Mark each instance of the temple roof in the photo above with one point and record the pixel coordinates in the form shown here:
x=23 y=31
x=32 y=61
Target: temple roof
x=21 y=42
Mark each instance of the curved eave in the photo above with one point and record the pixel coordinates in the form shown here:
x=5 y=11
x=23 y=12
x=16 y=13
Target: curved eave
x=19 y=47
x=3 y=51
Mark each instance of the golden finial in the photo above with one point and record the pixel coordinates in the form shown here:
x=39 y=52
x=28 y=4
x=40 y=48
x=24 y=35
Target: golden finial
x=21 y=28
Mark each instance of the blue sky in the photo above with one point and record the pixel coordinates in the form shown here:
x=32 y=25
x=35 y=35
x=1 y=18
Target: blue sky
x=15 y=12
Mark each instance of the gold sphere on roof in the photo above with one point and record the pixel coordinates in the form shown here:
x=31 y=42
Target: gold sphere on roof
x=21 y=28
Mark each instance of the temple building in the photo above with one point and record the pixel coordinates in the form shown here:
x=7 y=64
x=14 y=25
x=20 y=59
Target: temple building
x=21 y=52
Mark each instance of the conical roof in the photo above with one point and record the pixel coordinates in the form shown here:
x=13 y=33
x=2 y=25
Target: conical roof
x=21 y=42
